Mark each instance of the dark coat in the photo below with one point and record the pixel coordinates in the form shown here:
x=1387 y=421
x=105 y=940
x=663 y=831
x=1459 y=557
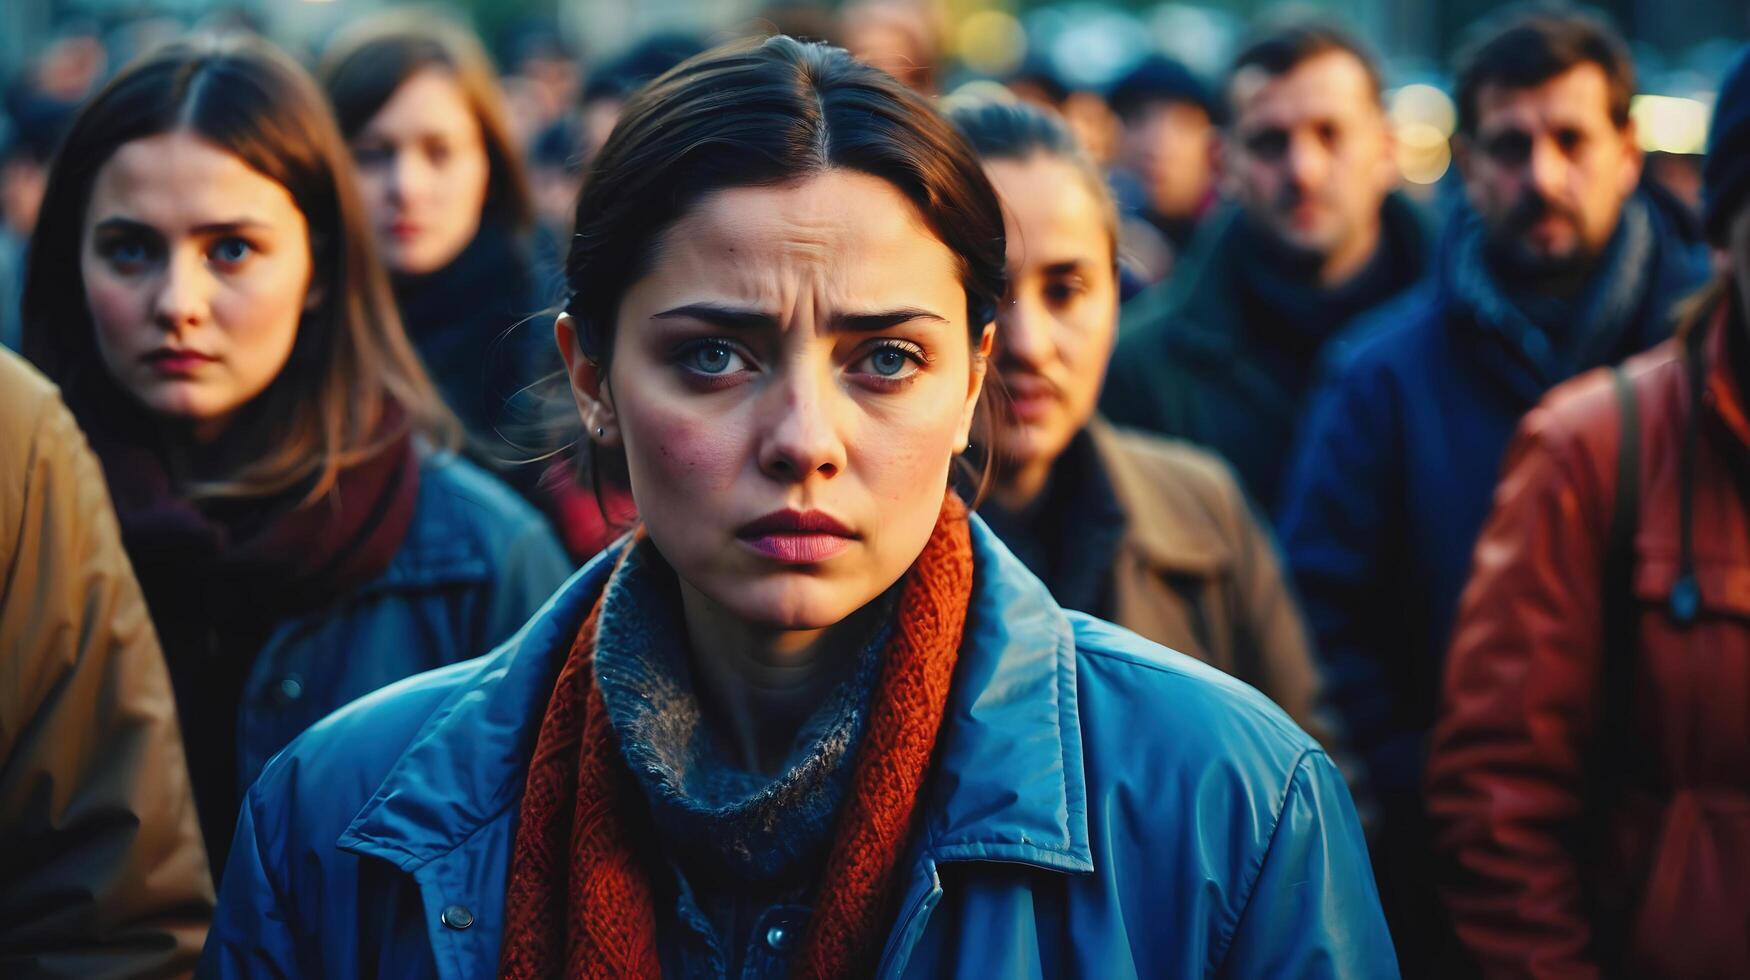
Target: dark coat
x=1532 y=843
x=1100 y=807
x=1201 y=358
x=484 y=330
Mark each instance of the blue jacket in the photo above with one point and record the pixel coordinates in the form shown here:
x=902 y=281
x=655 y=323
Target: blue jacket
x=1101 y=807
x=1394 y=473
x=475 y=563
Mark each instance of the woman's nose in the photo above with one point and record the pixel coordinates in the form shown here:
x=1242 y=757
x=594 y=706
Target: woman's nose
x=184 y=295
x=800 y=437
x=1024 y=334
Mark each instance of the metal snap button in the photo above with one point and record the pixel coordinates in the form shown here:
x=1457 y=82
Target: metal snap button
x=456 y=917
x=291 y=688
x=779 y=938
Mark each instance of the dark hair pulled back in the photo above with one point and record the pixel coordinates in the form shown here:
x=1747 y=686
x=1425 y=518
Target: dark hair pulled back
x=766 y=113
x=1019 y=131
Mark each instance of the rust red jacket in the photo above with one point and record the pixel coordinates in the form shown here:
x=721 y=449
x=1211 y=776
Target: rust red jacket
x=1522 y=701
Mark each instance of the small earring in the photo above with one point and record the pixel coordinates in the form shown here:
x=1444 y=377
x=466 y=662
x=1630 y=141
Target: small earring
x=600 y=431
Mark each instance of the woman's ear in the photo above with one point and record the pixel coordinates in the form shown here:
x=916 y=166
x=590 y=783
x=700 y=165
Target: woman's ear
x=589 y=385
x=980 y=364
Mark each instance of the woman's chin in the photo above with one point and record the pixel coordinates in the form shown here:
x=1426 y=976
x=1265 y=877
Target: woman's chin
x=800 y=604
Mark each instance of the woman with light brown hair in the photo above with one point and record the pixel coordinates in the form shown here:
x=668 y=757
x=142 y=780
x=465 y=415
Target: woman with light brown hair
x=441 y=179
x=203 y=290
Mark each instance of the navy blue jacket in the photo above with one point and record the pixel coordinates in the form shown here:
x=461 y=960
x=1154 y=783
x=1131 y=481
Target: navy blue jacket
x=1100 y=806
x=1393 y=475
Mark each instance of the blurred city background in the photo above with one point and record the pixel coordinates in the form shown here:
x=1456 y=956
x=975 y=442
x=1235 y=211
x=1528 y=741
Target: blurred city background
x=567 y=65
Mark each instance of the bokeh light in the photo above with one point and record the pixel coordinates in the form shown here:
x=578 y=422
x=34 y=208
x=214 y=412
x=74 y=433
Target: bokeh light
x=1422 y=118
x=991 y=42
x=1670 y=124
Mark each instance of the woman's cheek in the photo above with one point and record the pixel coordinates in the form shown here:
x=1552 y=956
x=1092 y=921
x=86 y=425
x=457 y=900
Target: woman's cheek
x=687 y=452
x=119 y=315
x=906 y=456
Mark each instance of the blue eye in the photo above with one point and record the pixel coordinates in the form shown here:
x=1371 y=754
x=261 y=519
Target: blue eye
x=893 y=361
x=888 y=363
x=712 y=357
x=126 y=253
x=232 y=250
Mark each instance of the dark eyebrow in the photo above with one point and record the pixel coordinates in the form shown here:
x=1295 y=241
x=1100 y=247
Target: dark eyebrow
x=120 y=226
x=884 y=320
x=726 y=317
x=730 y=318
x=1068 y=267
x=128 y=225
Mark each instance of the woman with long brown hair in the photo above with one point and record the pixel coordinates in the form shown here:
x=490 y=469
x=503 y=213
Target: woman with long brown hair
x=203 y=290
x=812 y=719
x=441 y=178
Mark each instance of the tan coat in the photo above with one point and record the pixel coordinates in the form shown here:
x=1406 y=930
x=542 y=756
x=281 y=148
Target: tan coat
x=102 y=870
x=1197 y=572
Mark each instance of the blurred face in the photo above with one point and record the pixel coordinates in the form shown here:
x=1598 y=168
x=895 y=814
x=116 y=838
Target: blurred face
x=423 y=173
x=1055 y=333
x=790 y=382
x=599 y=118
x=22 y=183
x=893 y=40
x=1310 y=157
x=1549 y=171
x=196 y=273
x=1169 y=147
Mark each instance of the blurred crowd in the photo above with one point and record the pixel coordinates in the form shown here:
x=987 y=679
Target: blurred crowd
x=1454 y=469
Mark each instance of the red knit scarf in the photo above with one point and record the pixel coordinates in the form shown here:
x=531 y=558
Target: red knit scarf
x=579 y=902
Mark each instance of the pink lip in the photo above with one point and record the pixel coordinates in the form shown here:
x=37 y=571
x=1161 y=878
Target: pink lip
x=797 y=536
x=1030 y=399
x=799 y=548
x=403 y=230
x=172 y=360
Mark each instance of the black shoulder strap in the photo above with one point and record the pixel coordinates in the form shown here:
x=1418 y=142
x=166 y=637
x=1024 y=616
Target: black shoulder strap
x=1625 y=518
x=1611 y=742
x=1621 y=622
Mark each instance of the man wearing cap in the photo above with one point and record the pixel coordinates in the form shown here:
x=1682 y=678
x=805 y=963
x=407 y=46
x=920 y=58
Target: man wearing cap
x=1589 y=779
x=1222 y=353
x=1563 y=260
x=1164 y=174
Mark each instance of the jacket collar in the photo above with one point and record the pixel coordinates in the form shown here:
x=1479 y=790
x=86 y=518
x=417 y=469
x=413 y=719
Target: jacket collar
x=467 y=763
x=1008 y=785
x=1152 y=531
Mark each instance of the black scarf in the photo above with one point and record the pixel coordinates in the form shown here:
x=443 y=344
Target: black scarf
x=474 y=324
x=1070 y=536
x=1289 y=314
x=1561 y=338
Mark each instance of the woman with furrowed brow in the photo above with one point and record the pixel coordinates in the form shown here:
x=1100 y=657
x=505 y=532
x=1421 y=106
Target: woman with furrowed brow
x=810 y=718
